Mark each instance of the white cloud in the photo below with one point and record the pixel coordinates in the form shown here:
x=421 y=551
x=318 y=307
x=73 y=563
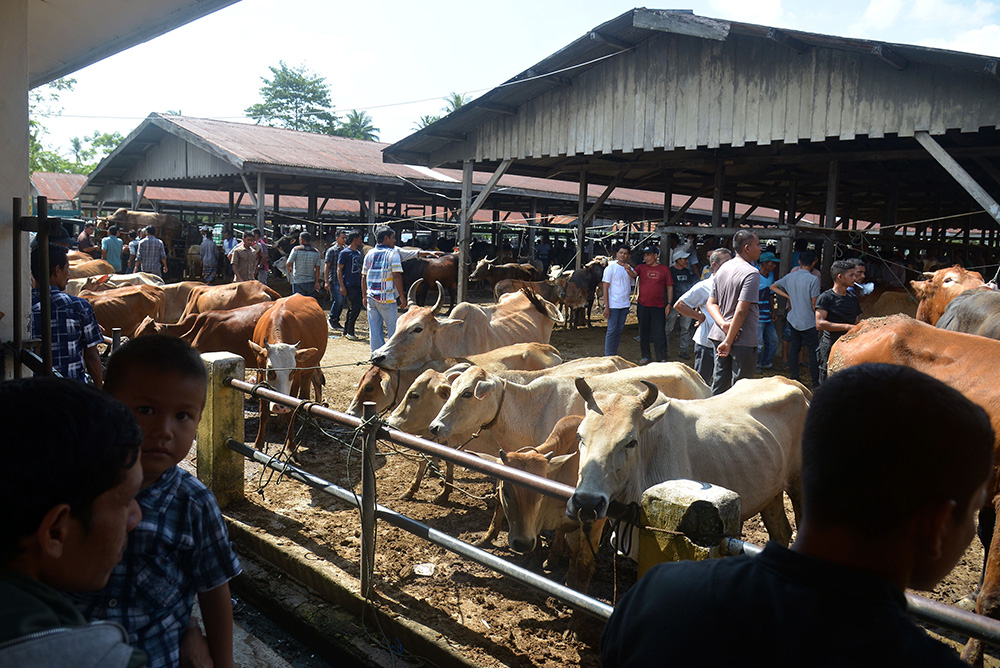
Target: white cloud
x=985 y=40
x=763 y=12
x=878 y=15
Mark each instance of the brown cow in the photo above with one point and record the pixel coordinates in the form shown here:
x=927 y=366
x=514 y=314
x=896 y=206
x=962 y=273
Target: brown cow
x=125 y=307
x=214 y=331
x=442 y=270
x=887 y=301
x=90 y=268
x=187 y=297
x=487 y=270
x=962 y=361
x=168 y=228
x=529 y=512
x=547 y=290
x=289 y=367
x=940 y=288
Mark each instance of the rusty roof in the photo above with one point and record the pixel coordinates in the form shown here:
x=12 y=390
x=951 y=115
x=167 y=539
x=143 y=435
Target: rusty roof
x=57 y=187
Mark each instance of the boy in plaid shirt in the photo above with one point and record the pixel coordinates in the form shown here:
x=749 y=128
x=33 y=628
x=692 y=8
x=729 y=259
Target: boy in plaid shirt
x=180 y=547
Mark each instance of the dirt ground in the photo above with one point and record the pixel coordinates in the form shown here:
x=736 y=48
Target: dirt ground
x=490 y=619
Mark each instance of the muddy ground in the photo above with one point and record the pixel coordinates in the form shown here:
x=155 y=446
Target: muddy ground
x=491 y=620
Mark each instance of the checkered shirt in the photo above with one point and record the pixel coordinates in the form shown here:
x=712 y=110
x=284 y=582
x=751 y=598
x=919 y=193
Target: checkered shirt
x=302 y=263
x=74 y=329
x=179 y=548
x=380 y=264
x=151 y=253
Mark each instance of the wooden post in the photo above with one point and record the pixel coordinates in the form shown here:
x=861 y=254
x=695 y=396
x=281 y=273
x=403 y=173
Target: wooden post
x=464 y=232
x=368 y=498
x=260 y=201
x=718 y=190
x=830 y=221
x=581 y=231
x=668 y=201
x=704 y=514
x=220 y=468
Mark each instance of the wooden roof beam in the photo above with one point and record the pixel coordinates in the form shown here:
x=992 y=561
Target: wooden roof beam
x=497 y=108
x=446 y=135
x=610 y=41
x=991 y=67
x=551 y=76
x=783 y=38
x=886 y=53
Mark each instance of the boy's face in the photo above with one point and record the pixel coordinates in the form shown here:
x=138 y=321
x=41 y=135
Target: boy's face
x=167 y=407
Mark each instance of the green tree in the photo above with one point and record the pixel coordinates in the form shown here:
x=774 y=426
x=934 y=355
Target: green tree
x=296 y=99
x=424 y=121
x=452 y=102
x=358 y=125
x=43 y=102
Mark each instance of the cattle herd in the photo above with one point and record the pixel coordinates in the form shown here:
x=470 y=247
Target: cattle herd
x=484 y=378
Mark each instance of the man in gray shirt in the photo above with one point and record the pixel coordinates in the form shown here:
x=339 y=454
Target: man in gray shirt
x=801 y=289
x=734 y=307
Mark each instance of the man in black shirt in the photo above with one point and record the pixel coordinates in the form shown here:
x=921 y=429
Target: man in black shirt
x=837 y=310
x=889 y=503
x=683 y=279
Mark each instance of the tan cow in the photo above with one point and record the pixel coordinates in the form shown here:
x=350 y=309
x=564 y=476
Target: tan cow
x=109 y=281
x=187 y=297
x=940 y=288
x=125 y=307
x=91 y=268
x=470 y=329
x=387 y=387
x=168 y=228
x=887 y=302
x=746 y=439
x=529 y=513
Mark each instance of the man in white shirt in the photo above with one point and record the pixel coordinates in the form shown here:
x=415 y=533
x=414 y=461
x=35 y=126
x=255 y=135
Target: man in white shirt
x=617 y=288
x=692 y=304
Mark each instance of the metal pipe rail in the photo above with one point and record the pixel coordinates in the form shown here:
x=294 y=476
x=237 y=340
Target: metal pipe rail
x=933 y=612
x=565 y=594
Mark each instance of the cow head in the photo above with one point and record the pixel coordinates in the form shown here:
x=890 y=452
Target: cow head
x=277 y=361
x=421 y=404
x=940 y=287
x=376 y=385
x=483 y=268
x=609 y=447
x=414 y=342
x=150 y=326
x=474 y=400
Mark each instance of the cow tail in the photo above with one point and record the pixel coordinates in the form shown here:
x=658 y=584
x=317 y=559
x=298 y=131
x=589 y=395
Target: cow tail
x=540 y=306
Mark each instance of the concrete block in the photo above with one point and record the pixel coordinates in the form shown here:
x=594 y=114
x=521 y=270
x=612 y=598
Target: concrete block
x=693 y=519
x=220 y=468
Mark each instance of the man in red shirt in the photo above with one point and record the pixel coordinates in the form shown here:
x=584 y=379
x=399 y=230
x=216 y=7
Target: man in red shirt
x=656 y=294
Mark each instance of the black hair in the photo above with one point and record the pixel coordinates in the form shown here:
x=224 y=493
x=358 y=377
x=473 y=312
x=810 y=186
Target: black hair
x=806 y=258
x=151 y=230
x=67 y=443
x=882 y=441
x=742 y=238
x=132 y=235
x=157 y=353
x=621 y=246
x=840 y=267
x=248 y=233
x=57 y=258
x=113 y=230
x=382 y=232
x=855 y=261
x=207 y=233
x=351 y=236
x=305 y=237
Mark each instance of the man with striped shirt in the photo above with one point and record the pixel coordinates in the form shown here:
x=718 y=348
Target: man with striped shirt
x=383 y=278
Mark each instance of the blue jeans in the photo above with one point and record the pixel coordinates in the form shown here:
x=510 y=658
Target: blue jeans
x=616 y=323
x=379 y=314
x=307 y=289
x=338 y=303
x=704 y=362
x=767 y=344
x=354 y=295
x=808 y=339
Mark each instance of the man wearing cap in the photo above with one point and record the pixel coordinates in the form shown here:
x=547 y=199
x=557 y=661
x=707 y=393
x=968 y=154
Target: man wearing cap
x=683 y=279
x=767 y=336
x=656 y=292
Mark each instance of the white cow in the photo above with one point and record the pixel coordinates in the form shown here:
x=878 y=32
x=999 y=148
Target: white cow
x=75 y=286
x=746 y=439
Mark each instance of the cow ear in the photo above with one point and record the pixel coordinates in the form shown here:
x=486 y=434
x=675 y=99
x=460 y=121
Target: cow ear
x=385 y=383
x=489 y=458
x=444 y=391
x=483 y=388
x=651 y=415
x=448 y=322
x=457 y=369
x=257 y=349
x=304 y=354
x=919 y=287
x=103 y=279
x=452 y=374
x=556 y=462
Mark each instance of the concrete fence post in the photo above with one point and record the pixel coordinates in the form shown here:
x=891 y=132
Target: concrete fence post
x=695 y=519
x=220 y=468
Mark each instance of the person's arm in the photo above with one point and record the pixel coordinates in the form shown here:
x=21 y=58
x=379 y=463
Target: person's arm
x=397 y=279
x=742 y=309
x=629 y=270
x=319 y=281
x=604 y=291
x=217 y=614
x=92 y=360
x=340 y=279
x=328 y=266
x=781 y=293
x=686 y=310
x=824 y=325
x=670 y=298
x=104 y=251
x=712 y=307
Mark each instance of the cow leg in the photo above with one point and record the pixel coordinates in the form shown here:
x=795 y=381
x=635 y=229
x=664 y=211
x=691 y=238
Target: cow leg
x=421 y=470
x=318 y=380
x=449 y=478
x=794 y=492
x=265 y=413
x=988 y=602
x=583 y=549
x=563 y=531
x=495 y=524
x=775 y=520
x=422 y=294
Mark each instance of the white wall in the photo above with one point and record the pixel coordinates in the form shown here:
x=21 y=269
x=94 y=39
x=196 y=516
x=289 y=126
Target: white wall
x=13 y=154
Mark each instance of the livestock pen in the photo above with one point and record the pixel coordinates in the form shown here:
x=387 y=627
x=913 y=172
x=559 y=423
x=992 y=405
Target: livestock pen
x=491 y=619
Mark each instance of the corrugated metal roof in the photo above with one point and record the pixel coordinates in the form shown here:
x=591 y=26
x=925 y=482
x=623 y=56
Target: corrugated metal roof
x=58 y=187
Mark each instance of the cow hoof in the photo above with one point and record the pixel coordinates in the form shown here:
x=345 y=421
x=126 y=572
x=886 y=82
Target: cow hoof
x=486 y=541
x=441 y=498
x=406 y=496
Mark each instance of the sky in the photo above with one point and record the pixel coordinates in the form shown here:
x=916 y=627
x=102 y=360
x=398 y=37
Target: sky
x=398 y=59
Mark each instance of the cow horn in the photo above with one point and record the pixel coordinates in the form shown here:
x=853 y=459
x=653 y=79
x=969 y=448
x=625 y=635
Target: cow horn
x=929 y=274
x=439 y=303
x=411 y=295
x=489 y=261
x=652 y=392
x=587 y=394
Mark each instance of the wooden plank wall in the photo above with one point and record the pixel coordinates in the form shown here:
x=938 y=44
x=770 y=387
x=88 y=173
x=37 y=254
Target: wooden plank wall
x=173 y=157
x=674 y=91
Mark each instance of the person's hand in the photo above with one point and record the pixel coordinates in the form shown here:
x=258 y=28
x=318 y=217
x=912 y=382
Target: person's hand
x=724 y=325
x=343 y=290
x=666 y=310
x=194 y=649
x=328 y=287
x=723 y=349
x=402 y=304
x=607 y=312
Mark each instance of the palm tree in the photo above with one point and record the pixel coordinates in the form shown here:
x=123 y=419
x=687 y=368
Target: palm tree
x=453 y=102
x=424 y=121
x=358 y=125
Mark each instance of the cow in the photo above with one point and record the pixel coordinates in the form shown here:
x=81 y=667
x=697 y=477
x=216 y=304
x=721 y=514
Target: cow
x=76 y=257
x=214 y=331
x=431 y=389
x=187 y=297
x=108 y=281
x=386 y=387
x=529 y=512
x=746 y=440
x=168 y=228
x=90 y=268
x=962 y=361
x=443 y=270
x=125 y=307
x=547 y=290
x=939 y=288
x=883 y=302
x=470 y=329
x=975 y=311
x=491 y=272
x=290 y=368
x=581 y=290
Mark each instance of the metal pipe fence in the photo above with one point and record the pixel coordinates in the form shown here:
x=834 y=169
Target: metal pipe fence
x=938 y=614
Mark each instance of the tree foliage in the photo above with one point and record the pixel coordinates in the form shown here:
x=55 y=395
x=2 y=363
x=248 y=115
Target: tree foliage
x=85 y=152
x=296 y=99
x=452 y=102
x=358 y=125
